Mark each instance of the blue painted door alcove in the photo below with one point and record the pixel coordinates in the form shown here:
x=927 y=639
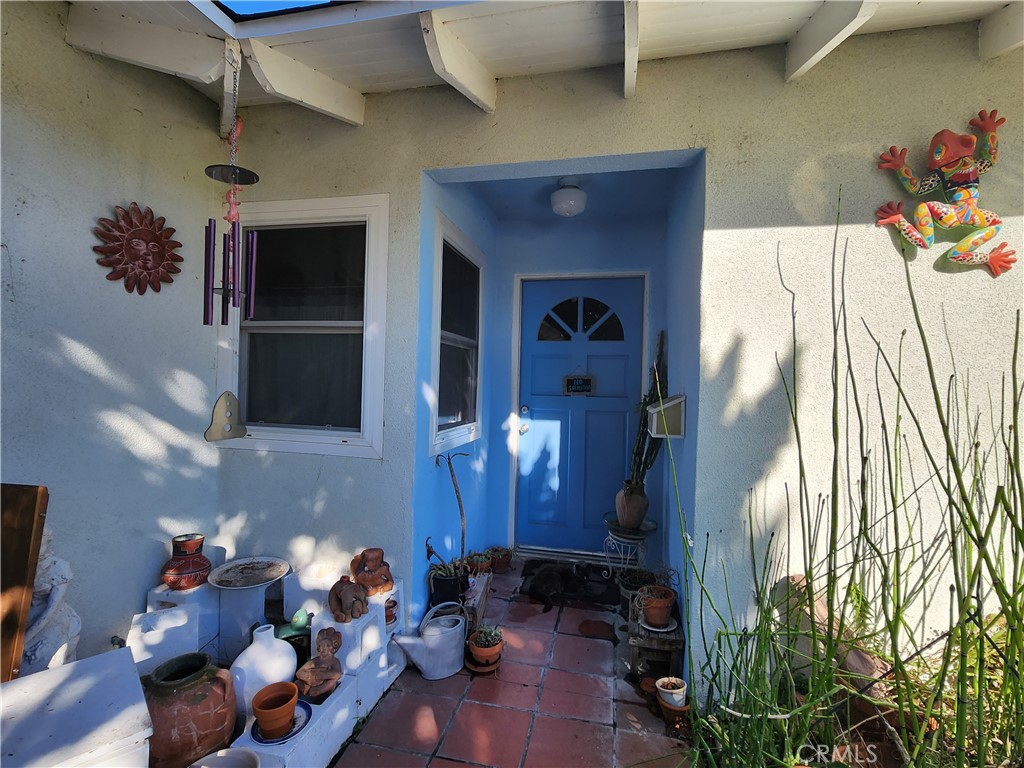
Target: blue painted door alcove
x=574 y=448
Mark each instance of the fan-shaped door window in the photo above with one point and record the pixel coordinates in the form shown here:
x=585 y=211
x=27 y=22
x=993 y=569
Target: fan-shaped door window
x=580 y=314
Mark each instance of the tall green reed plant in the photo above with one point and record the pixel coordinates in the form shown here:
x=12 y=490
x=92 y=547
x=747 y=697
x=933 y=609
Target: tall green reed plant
x=776 y=691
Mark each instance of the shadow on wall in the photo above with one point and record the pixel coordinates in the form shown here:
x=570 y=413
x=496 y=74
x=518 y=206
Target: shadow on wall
x=745 y=448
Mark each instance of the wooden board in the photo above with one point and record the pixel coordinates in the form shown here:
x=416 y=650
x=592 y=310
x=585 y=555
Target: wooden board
x=24 y=512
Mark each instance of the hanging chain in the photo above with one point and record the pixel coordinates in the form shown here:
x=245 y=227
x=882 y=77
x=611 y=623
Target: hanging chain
x=233 y=135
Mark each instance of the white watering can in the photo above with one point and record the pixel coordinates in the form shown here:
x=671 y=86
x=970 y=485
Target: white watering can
x=439 y=651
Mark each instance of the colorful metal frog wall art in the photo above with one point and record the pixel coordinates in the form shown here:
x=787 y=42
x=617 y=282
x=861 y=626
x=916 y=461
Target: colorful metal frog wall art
x=951 y=167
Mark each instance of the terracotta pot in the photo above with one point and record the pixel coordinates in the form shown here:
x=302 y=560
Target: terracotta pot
x=657 y=602
x=192 y=705
x=631 y=505
x=479 y=566
x=673 y=714
x=188 y=566
x=484 y=655
x=501 y=560
x=274 y=707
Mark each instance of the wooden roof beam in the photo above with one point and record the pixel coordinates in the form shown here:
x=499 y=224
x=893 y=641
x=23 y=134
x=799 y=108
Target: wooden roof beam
x=830 y=25
x=186 y=54
x=631 y=58
x=1001 y=31
x=456 y=64
x=288 y=79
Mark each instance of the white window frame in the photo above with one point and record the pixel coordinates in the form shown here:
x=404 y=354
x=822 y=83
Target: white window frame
x=369 y=441
x=445 y=440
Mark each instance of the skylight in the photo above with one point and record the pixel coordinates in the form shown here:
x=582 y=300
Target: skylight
x=245 y=10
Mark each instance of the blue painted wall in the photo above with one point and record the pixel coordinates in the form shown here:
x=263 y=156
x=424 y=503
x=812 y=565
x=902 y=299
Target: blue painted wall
x=435 y=512
x=685 y=255
x=664 y=245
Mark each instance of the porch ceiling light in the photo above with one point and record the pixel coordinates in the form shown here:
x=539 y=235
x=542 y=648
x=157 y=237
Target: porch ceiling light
x=568 y=200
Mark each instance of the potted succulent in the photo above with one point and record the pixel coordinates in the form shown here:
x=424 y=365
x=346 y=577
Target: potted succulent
x=501 y=559
x=631 y=502
x=485 y=644
x=447 y=580
x=672 y=690
x=478 y=562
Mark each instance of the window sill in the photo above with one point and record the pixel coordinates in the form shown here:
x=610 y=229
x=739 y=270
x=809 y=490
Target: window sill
x=454 y=438
x=299 y=441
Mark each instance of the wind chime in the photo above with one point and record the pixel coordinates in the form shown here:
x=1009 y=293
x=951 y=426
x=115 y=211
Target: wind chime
x=232 y=277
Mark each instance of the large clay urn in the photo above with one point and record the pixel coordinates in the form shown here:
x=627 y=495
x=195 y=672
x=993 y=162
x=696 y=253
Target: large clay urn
x=631 y=505
x=192 y=705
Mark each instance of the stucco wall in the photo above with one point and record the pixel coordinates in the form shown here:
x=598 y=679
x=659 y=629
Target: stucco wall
x=106 y=396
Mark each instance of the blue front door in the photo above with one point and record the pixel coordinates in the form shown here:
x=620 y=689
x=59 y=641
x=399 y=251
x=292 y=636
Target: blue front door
x=575 y=440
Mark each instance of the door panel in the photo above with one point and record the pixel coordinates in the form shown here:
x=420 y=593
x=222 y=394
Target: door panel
x=574 y=449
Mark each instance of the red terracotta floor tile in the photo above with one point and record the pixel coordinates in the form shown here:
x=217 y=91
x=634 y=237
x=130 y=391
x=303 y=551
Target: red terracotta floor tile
x=530 y=616
x=625 y=691
x=527 y=646
x=637 y=718
x=411 y=681
x=556 y=743
x=500 y=692
x=575 y=705
x=582 y=654
x=491 y=736
x=597 y=624
x=408 y=721
x=440 y=762
x=514 y=672
x=494 y=613
x=364 y=755
x=649 y=751
x=574 y=682
x=504 y=585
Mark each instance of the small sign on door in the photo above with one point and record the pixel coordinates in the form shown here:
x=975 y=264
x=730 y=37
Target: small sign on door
x=578 y=385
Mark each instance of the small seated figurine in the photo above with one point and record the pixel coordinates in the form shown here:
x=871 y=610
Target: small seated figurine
x=318 y=677
x=347 y=601
x=372 y=572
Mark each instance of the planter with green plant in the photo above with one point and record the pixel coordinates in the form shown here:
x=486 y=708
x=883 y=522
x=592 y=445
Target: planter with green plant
x=485 y=644
x=501 y=559
x=478 y=562
x=632 y=578
x=631 y=502
x=448 y=579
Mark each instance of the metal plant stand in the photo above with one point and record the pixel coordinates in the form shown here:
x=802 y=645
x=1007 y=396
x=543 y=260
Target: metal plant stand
x=625 y=546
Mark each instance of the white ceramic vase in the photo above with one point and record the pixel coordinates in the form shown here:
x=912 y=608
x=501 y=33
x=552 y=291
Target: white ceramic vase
x=267 y=660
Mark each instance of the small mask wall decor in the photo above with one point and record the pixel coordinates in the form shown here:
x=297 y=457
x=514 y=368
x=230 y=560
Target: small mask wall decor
x=138 y=248
x=953 y=170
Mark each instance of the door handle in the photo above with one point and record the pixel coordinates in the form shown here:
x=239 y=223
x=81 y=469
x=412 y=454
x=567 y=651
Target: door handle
x=524 y=428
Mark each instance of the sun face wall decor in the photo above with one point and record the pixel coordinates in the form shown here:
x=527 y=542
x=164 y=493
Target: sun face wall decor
x=138 y=248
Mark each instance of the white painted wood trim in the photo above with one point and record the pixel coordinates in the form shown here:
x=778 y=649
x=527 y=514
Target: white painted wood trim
x=631 y=32
x=375 y=211
x=186 y=54
x=232 y=64
x=351 y=13
x=1001 y=31
x=830 y=25
x=441 y=441
x=288 y=79
x=457 y=65
x=216 y=15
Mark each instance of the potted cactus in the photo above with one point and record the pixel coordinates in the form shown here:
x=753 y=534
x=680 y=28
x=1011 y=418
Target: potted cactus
x=485 y=644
